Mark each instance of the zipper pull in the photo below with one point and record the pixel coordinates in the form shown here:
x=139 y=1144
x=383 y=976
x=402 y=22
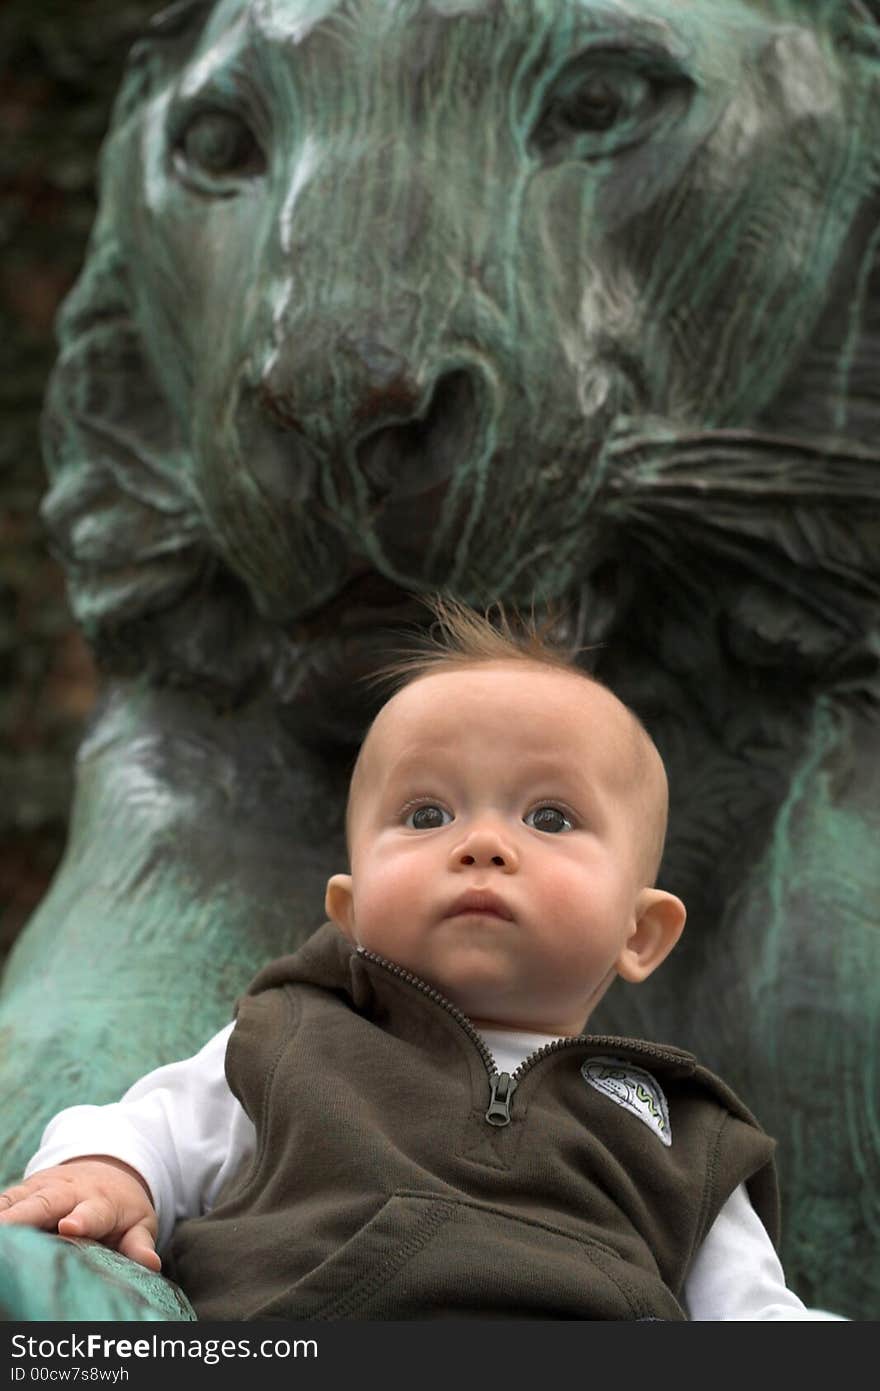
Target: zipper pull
x=503 y=1087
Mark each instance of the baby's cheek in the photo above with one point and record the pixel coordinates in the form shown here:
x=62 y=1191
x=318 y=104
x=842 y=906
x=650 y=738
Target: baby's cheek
x=388 y=900
x=566 y=890
x=579 y=916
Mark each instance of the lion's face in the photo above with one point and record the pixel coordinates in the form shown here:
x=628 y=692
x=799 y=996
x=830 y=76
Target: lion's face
x=414 y=279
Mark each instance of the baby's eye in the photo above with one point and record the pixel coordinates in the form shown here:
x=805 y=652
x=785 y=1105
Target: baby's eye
x=549 y=819
x=427 y=817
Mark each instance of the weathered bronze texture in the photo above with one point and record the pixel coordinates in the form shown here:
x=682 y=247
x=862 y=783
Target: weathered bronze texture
x=540 y=300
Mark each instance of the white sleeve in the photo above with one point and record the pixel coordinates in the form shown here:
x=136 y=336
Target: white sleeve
x=180 y=1127
x=737 y=1275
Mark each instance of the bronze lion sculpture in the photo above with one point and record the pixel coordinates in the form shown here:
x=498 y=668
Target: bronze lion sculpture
x=553 y=301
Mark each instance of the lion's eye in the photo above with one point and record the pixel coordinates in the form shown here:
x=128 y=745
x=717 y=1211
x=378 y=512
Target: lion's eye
x=216 y=145
x=597 y=105
x=600 y=106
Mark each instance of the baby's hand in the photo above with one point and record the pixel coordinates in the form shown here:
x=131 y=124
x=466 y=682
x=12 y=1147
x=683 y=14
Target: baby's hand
x=95 y=1197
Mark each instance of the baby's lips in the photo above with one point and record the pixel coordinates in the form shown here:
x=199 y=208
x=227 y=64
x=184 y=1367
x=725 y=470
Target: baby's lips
x=480 y=901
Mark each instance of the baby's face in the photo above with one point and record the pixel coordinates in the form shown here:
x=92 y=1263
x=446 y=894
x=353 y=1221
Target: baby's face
x=501 y=830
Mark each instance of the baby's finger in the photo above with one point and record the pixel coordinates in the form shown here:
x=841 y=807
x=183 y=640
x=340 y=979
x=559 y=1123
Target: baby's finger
x=139 y=1245
x=35 y=1207
x=93 y=1217
x=10 y=1196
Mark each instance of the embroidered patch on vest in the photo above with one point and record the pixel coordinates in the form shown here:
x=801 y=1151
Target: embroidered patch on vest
x=634 y=1089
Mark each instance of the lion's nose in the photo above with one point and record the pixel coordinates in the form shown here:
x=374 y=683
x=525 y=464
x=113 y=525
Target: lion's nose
x=415 y=442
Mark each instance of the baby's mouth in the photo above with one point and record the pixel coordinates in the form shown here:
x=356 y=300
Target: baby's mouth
x=481 y=901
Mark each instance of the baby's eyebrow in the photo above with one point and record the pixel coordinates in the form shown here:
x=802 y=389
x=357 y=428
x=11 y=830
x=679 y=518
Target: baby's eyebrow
x=554 y=772
x=412 y=764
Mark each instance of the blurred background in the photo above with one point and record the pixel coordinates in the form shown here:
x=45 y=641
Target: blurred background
x=60 y=66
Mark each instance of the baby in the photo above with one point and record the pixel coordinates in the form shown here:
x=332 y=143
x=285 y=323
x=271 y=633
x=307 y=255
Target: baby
x=408 y=1118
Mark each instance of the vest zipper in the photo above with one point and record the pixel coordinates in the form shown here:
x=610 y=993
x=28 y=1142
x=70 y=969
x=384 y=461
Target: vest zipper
x=505 y=1084
x=629 y=1045
x=502 y=1085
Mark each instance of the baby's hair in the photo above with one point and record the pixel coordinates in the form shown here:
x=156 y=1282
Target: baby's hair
x=460 y=636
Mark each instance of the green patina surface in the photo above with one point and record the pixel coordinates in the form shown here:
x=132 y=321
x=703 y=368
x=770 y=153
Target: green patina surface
x=60 y=75
x=530 y=301
x=46 y=1278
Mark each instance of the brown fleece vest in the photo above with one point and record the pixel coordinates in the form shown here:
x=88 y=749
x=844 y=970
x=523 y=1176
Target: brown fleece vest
x=379 y=1189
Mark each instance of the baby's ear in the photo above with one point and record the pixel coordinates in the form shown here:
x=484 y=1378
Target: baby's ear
x=338 y=904
x=659 y=920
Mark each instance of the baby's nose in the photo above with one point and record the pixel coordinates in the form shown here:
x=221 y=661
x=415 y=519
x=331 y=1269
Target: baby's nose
x=483 y=846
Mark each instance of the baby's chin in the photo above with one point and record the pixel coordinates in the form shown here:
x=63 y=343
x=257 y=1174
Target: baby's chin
x=491 y=998
x=483 y=990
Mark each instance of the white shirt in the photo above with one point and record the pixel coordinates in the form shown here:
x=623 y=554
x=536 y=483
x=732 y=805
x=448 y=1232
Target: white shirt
x=182 y=1129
